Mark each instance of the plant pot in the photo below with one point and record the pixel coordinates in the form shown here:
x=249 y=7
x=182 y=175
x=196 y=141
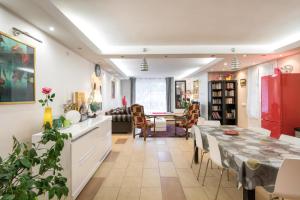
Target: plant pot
x=48 y=116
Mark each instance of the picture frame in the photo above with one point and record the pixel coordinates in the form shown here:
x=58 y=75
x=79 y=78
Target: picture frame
x=17 y=71
x=243 y=82
x=180 y=94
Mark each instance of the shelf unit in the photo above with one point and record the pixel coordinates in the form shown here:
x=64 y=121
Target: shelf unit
x=222 y=101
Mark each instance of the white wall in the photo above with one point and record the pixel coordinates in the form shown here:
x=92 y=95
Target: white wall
x=108 y=102
x=56 y=67
x=125 y=90
x=203 y=94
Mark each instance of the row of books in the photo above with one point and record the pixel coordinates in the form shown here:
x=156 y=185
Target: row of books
x=229 y=100
x=217 y=93
x=217 y=101
x=216 y=115
x=216 y=86
x=229 y=86
x=216 y=108
x=229 y=93
x=231 y=114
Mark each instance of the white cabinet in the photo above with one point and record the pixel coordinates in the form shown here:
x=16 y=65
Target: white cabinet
x=90 y=143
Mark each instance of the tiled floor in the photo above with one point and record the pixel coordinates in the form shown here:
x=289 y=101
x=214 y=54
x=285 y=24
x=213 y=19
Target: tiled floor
x=158 y=169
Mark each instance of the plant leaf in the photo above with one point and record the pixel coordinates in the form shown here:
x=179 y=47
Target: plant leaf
x=25 y=162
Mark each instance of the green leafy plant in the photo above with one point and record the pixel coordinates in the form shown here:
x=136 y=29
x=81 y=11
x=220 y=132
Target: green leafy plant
x=29 y=172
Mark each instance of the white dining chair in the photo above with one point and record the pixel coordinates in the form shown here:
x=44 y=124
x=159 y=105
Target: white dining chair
x=287 y=181
x=262 y=131
x=215 y=157
x=199 y=144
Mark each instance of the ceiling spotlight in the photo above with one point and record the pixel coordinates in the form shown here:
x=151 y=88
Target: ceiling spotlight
x=225 y=63
x=235 y=63
x=280 y=55
x=245 y=55
x=51 y=28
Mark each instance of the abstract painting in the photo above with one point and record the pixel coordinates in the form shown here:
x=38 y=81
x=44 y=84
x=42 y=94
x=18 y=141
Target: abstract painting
x=17 y=71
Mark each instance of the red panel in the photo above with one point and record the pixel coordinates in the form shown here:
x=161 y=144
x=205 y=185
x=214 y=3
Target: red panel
x=271 y=98
x=274 y=127
x=290 y=103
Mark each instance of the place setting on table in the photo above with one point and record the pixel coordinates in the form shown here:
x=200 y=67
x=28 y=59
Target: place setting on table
x=255 y=157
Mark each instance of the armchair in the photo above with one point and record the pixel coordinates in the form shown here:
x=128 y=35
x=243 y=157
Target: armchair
x=139 y=120
x=189 y=119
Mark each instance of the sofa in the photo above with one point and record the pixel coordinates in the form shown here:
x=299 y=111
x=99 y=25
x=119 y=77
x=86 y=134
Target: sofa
x=121 y=120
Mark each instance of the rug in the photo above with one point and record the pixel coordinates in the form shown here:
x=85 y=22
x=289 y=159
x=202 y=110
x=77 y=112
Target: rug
x=180 y=132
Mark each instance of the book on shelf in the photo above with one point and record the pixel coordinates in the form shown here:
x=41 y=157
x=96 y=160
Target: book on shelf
x=229 y=100
x=216 y=86
x=229 y=93
x=231 y=114
x=217 y=93
x=229 y=86
x=216 y=115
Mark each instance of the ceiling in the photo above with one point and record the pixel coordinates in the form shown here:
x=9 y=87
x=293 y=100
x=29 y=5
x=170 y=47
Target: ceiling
x=163 y=67
x=175 y=33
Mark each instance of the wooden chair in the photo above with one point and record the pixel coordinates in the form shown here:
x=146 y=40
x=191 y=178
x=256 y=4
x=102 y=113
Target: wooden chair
x=189 y=119
x=139 y=120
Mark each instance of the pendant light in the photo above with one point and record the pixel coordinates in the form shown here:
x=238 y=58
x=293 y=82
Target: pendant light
x=144 y=65
x=235 y=63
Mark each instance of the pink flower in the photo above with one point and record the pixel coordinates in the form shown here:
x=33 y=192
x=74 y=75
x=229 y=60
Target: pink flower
x=124 y=102
x=46 y=90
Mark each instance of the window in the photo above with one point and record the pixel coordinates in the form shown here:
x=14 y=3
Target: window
x=151 y=93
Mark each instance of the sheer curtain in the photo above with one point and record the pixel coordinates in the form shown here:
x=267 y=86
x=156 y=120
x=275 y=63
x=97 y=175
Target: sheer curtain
x=151 y=93
x=254 y=87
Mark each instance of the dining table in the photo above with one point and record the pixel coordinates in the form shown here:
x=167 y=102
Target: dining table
x=254 y=157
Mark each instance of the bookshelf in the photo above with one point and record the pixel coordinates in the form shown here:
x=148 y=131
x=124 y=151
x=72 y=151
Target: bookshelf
x=222 y=101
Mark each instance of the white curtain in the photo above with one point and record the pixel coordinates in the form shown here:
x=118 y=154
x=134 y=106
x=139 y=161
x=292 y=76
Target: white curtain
x=151 y=93
x=254 y=87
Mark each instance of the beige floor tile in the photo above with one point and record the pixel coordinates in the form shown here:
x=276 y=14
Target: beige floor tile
x=132 y=181
x=151 y=172
x=113 y=181
x=151 y=163
x=107 y=193
x=195 y=194
x=187 y=178
x=129 y=193
x=151 y=194
x=136 y=172
x=151 y=181
x=104 y=169
x=167 y=169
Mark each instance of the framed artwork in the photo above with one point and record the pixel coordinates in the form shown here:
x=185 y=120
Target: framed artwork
x=243 y=82
x=196 y=90
x=180 y=94
x=113 y=89
x=17 y=71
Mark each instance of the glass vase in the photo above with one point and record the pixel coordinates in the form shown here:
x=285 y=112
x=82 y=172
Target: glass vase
x=48 y=116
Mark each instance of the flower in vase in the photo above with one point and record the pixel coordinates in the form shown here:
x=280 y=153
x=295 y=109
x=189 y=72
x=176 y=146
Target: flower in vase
x=46 y=90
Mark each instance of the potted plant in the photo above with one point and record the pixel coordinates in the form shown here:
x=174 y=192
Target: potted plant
x=31 y=171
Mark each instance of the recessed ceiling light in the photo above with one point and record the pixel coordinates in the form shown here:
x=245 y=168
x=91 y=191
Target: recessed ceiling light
x=225 y=63
x=245 y=55
x=51 y=28
x=280 y=55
